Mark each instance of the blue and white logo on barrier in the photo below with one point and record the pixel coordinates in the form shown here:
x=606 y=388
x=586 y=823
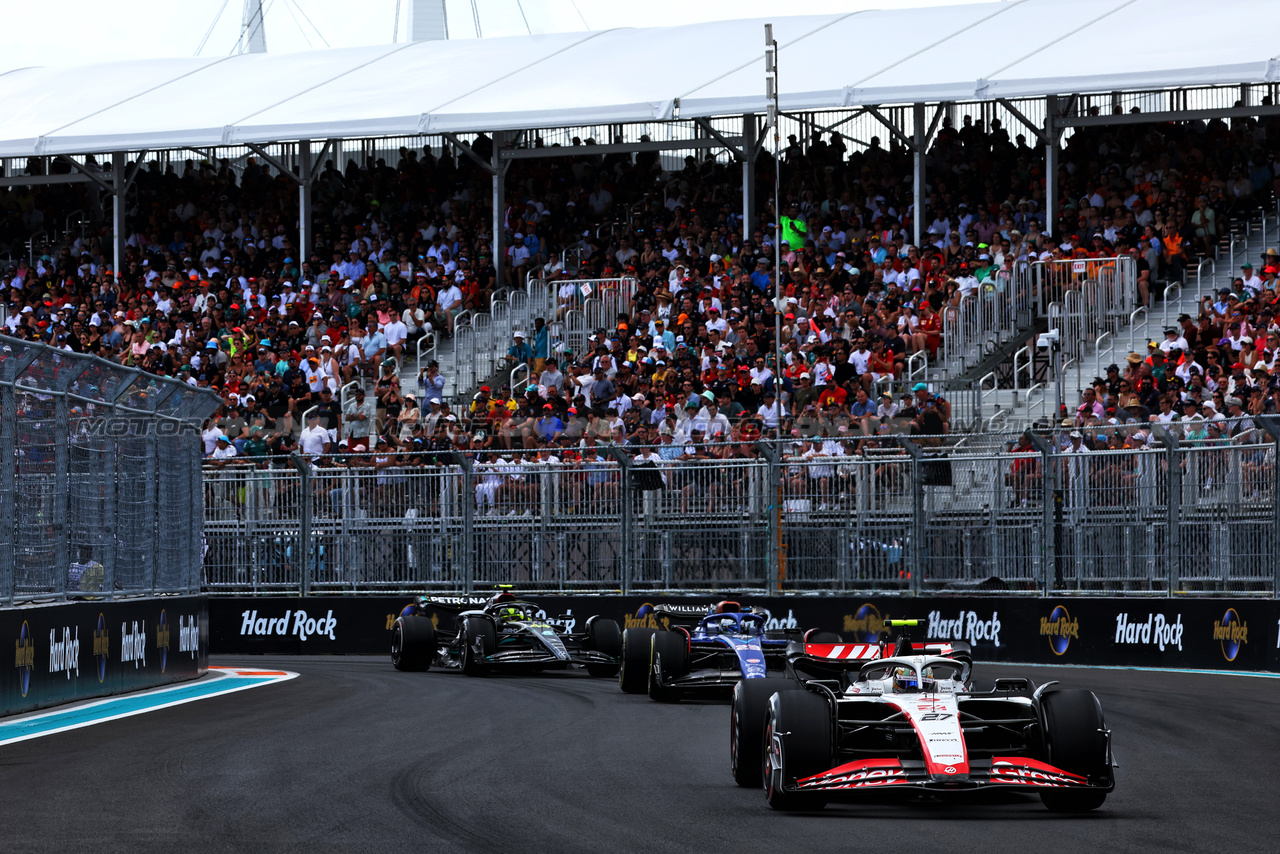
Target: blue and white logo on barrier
x=1233 y=632
x=1059 y=628
x=162 y=639
x=24 y=657
x=101 y=646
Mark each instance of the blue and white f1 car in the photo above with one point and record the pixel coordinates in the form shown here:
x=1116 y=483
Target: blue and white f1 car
x=704 y=654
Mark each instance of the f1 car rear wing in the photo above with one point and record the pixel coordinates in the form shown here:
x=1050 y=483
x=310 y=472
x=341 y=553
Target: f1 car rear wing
x=904 y=645
x=688 y=615
x=827 y=659
x=454 y=603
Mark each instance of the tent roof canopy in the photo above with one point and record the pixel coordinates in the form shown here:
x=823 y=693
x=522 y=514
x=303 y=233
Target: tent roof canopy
x=1016 y=49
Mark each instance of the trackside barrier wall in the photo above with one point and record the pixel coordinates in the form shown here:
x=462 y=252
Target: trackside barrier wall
x=1211 y=634
x=81 y=650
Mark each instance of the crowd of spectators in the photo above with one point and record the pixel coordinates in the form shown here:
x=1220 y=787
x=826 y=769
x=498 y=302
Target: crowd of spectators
x=1209 y=375
x=213 y=289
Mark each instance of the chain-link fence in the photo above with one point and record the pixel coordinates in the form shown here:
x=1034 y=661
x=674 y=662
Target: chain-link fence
x=1140 y=508
x=102 y=494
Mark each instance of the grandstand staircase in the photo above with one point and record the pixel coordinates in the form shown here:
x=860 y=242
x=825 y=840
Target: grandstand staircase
x=1032 y=401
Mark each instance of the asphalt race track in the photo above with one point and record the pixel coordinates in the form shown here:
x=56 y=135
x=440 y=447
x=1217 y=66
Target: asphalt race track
x=353 y=756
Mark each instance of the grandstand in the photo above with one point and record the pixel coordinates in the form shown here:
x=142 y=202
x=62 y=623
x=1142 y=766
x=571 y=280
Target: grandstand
x=467 y=259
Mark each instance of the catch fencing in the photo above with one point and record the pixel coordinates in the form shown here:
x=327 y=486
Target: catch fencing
x=1167 y=511
x=102 y=493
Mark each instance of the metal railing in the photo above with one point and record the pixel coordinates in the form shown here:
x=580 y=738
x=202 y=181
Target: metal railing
x=1150 y=509
x=101 y=496
x=989 y=318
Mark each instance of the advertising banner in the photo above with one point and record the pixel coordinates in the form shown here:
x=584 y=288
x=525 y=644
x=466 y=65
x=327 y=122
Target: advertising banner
x=1219 y=634
x=80 y=650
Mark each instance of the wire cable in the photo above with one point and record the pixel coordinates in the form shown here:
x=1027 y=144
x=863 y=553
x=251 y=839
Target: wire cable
x=580 y=16
x=319 y=34
x=395 y=32
x=298 y=24
x=209 y=32
x=520 y=6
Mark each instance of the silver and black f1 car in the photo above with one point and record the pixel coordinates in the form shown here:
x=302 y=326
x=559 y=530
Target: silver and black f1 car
x=499 y=633
x=905 y=716
x=704 y=654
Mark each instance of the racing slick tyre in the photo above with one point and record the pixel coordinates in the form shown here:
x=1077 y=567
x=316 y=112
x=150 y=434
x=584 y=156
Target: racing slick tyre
x=1075 y=741
x=824 y=637
x=633 y=677
x=802 y=722
x=479 y=639
x=746 y=727
x=413 y=643
x=668 y=659
x=605 y=636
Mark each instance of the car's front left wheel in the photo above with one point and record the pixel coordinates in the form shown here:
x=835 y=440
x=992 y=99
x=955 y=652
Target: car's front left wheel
x=797 y=744
x=479 y=639
x=413 y=643
x=1075 y=741
x=605 y=637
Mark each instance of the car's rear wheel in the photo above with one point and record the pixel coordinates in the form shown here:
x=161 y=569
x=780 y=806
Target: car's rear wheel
x=633 y=677
x=479 y=639
x=800 y=724
x=747 y=715
x=823 y=637
x=413 y=643
x=668 y=659
x=1075 y=740
x=605 y=637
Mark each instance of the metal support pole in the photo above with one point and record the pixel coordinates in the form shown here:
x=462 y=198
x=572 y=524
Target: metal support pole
x=1271 y=424
x=305 y=169
x=628 y=550
x=915 y=549
x=499 y=208
x=1173 y=504
x=468 y=499
x=118 y=192
x=8 y=451
x=1057 y=381
x=748 y=174
x=918 y=176
x=61 y=495
x=777 y=548
x=195 y=543
x=107 y=535
x=1052 y=495
x=153 y=512
x=306 y=575
x=1050 y=164
x=773 y=126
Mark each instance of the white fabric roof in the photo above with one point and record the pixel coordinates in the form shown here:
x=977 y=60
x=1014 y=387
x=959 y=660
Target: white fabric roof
x=1012 y=49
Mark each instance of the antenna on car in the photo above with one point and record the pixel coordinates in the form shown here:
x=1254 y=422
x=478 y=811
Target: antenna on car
x=904 y=640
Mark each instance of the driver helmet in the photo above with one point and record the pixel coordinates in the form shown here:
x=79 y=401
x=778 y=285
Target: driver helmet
x=905 y=679
x=509 y=613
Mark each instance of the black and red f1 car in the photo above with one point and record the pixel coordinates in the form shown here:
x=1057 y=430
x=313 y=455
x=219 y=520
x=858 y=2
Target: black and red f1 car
x=904 y=716
x=499 y=633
